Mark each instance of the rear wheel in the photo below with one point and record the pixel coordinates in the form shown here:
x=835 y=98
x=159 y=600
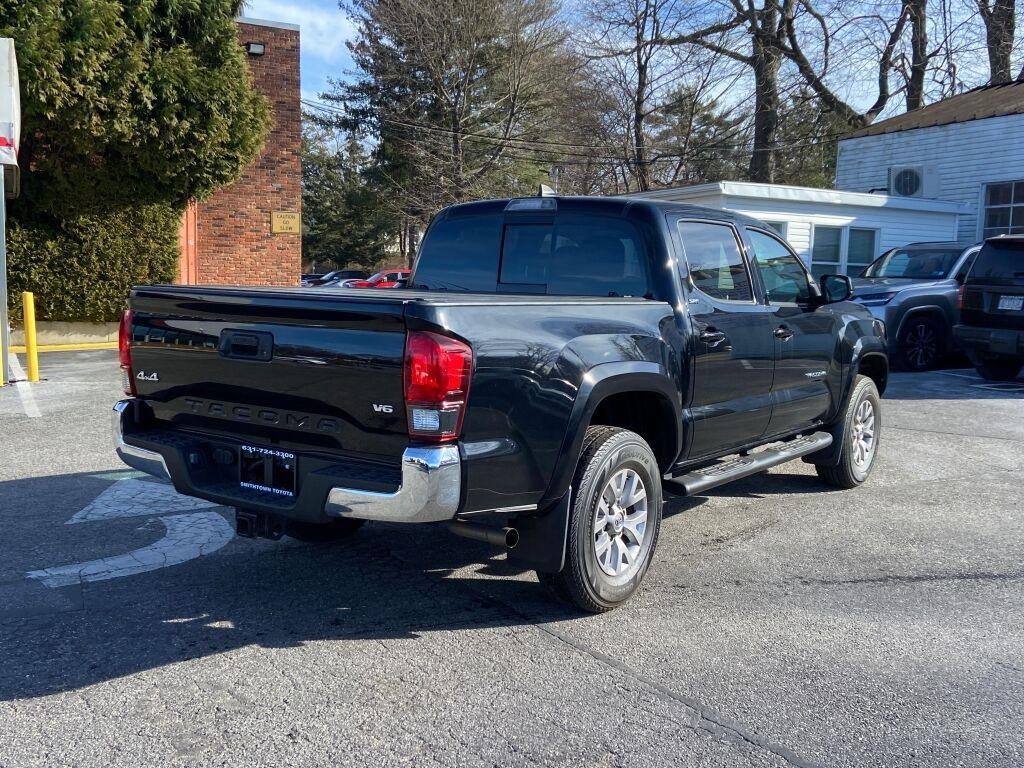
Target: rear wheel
x=999 y=370
x=614 y=521
x=922 y=343
x=861 y=426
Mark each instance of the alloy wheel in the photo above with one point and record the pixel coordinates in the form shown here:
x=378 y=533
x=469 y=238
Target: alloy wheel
x=863 y=433
x=620 y=523
x=921 y=345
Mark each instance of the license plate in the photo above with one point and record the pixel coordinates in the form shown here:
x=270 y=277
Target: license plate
x=1013 y=303
x=267 y=469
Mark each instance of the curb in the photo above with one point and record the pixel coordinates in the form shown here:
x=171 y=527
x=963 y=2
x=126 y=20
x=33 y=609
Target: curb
x=20 y=349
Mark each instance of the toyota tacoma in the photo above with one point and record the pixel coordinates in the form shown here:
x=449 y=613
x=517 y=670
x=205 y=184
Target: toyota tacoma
x=553 y=366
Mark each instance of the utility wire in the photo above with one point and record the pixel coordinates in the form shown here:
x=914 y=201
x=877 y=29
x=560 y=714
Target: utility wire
x=532 y=144
x=527 y=143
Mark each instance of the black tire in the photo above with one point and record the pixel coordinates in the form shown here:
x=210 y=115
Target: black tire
x=609 y=453
x=850 y=471
x=999 y=370
x=922 y=343
x=323 y=533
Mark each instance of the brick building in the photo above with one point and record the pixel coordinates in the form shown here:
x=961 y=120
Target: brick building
x=248 y=233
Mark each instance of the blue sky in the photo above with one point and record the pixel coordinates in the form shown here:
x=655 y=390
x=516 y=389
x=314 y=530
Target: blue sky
x=324 y=31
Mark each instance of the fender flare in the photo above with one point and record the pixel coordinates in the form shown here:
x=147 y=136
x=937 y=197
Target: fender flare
x=927 y=309
x=830 y=456
x=598 y=383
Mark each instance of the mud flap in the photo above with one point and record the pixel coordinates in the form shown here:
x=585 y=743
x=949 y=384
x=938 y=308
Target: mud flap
x=542 y=538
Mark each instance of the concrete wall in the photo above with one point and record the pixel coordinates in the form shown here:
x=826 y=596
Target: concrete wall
x=51 y=332
x=963 y=157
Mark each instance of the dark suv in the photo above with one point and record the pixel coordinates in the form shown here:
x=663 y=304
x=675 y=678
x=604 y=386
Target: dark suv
x=991 y=329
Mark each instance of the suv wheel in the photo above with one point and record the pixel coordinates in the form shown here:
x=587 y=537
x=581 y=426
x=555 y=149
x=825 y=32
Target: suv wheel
x=860 y=431
x=999 y=370
x=613 y=521
x=921 y=343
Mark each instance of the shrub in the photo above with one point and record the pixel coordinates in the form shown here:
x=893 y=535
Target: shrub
x=80 y=268
x=130 y=108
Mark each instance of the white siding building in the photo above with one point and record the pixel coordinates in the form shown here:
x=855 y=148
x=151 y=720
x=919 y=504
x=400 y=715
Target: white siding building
x=967 y=149
x=831 y=231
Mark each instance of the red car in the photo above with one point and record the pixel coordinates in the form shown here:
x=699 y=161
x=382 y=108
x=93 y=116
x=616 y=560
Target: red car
x=387 y=279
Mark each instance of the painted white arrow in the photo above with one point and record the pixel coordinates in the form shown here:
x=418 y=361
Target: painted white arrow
x=188 y=536
x=137 y=498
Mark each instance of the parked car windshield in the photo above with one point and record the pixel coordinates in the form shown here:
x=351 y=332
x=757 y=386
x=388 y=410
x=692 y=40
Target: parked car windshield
x=1000 y=261
x=916 y=264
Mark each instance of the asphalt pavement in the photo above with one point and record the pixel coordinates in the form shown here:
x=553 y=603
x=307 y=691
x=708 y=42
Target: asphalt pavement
x=781 y=624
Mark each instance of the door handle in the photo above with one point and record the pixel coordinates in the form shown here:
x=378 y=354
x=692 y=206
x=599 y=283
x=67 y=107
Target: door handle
x=783 y=333
x=711 y=337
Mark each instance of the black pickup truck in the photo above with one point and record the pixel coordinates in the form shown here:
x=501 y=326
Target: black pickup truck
x=551 y=363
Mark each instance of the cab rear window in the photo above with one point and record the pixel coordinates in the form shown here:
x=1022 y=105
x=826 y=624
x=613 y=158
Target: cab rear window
x=999 y=261
x=574 y=256
x=460 y=253
x=567 y=255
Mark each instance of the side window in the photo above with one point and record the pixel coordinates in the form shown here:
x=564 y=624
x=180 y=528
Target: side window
x=715 y=261
x=784 y=278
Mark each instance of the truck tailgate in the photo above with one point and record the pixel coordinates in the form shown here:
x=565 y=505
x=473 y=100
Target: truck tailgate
x=302 y=371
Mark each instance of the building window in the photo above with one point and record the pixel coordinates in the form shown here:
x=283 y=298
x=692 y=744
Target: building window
x=827 y=251
x=779 y=226
x=860 y=250
x=1004 y=209
x=842 y=250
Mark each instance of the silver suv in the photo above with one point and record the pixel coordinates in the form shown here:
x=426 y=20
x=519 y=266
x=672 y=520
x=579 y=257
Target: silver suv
x=915 y=291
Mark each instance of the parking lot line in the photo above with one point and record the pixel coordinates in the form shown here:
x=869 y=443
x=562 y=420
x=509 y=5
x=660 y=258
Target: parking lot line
x=28 y=400
x=970 y=376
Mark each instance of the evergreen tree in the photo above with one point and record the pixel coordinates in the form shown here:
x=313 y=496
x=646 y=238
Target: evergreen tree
x=130 y=108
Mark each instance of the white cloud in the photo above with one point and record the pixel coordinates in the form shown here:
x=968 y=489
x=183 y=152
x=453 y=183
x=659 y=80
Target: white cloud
x=323 y=27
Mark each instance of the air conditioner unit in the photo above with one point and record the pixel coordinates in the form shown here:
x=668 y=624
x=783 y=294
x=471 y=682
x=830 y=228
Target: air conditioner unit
x=913 y=181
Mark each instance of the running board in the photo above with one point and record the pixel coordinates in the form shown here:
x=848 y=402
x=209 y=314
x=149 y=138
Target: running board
x=726 y=471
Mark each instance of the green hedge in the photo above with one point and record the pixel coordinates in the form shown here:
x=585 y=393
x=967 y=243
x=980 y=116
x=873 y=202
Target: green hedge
x=81 y=268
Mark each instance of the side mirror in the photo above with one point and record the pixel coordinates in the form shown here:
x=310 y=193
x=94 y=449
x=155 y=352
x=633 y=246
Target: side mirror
x=836 y=288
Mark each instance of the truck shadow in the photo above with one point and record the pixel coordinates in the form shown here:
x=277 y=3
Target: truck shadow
x=386 y=583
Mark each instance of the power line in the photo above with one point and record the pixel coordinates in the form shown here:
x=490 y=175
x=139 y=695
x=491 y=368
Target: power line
x=528 y=143
x=532 y=144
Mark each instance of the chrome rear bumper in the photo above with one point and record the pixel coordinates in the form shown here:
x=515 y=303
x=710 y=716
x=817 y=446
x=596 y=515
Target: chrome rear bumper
x=430 y=490
x=150 y=462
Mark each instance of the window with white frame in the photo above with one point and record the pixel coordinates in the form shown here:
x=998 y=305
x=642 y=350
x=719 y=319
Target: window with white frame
x=1004 y=209
x=842 y=250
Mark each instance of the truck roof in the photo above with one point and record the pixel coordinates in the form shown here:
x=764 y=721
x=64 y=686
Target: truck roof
x=624 y=206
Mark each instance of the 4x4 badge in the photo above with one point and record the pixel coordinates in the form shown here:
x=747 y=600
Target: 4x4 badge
x=143 y=376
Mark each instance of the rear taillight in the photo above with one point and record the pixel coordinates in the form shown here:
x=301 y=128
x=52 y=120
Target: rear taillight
x=960 y=296
x=437 y=374
x=124 y=351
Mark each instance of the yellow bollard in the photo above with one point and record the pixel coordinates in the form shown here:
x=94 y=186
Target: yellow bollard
x=31 y=351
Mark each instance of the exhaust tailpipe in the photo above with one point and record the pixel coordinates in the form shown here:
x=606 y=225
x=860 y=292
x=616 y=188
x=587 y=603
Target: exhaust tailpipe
x=499 y=537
